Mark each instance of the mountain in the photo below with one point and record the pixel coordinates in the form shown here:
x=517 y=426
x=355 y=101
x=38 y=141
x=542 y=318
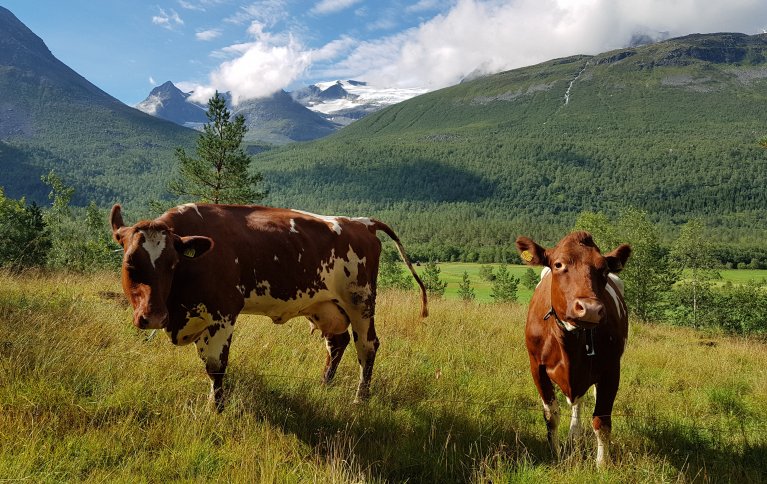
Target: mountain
x=276 y=119
x=51 y=118
x=671 y=128
x=166 y=101
x=279 y=119
x=345 y=101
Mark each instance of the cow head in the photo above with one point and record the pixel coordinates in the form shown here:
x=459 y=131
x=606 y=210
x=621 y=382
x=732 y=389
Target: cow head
x=151 y=253
x=579 y=275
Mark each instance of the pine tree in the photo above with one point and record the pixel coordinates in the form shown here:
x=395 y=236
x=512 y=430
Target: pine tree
x=434 y=285
x=465 y=291
x=505 y=285
x=530 y=278
x=391 y=272
x=220 y=173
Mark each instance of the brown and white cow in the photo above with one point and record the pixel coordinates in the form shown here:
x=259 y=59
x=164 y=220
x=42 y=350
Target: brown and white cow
x=192 y=270
x=577 y=326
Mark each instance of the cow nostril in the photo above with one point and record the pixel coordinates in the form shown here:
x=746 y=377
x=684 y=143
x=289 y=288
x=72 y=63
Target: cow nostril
x=142 y=322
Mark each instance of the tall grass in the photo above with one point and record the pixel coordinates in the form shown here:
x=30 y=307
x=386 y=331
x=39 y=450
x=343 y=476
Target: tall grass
x=86 y=397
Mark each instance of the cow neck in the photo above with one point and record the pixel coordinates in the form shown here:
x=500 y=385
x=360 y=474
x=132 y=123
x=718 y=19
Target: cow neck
x=581 y=333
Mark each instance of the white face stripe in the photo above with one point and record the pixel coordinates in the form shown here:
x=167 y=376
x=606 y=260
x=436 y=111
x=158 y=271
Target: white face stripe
x=154 y=244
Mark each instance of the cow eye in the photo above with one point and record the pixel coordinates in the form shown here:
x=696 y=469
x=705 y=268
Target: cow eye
x=558 y=265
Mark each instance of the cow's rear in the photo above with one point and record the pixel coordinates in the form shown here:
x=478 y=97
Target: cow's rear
x=576 y=330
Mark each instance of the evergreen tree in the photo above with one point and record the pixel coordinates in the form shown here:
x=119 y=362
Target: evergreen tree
x=465 y=291
x=391 y=273
x=434 y=285
x=220 y=173
x=486 y=273
x=530 y=278
x=505 y=285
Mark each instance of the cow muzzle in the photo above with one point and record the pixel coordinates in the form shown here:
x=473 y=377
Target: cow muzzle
x=586 y=310
x=150 y=321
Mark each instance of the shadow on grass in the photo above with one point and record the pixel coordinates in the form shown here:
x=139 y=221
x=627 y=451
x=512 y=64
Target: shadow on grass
x=399 y=435
x=711 y=454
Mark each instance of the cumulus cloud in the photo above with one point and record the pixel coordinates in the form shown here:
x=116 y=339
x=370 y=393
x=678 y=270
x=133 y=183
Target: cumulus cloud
x=167 y=19
x=469 y=36
x=209 y=34
x=264 y=66
x=331 y=6
x=492 y=35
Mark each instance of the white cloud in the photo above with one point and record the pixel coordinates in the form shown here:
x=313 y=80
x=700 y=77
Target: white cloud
x=167 y=19
x=191 y=6
x=209 y=34
x=471 y=35
x=331 y=6
x=495 y=35
x=423 y=5
x=152 y=81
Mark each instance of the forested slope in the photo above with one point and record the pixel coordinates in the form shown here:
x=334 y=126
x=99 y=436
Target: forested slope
x=671 y=128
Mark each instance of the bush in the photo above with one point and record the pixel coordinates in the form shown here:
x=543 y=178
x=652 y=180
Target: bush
x=24 y=237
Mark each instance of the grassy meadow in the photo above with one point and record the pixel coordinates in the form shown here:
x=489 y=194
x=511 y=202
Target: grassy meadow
x=452 y=273
x=84 y=396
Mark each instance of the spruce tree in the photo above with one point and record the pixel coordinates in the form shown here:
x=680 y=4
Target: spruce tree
x=434 y=285
x=220 y=173
x=505 y=285
x=465 y=291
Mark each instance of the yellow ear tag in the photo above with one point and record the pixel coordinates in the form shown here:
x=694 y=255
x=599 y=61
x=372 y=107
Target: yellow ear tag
x=189 y=253
x=526 y=255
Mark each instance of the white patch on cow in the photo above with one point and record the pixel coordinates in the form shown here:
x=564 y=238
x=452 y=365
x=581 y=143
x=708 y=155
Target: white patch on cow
x=363 y=220
x=154 y=243
x=335 y=284
x=236 y=260
x=183 y=208
x=299 y=256
x=603 y=445
x=276 y=259
x=197 y=321
x=335 y=226
x=619 y=303
x=293 y=226
x=544 y=273
x=575 y=418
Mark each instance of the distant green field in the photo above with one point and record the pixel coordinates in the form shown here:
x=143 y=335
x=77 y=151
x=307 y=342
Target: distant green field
x=452 y=272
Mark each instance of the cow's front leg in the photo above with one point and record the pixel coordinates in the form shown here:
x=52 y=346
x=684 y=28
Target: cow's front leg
x=336 y=344
x=366 y=342
x=550 y=404
x=605 y=392
x=576 y=430
x=213 y=348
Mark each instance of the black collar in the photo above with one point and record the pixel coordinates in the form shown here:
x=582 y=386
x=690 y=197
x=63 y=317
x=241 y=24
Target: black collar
x=580 y=332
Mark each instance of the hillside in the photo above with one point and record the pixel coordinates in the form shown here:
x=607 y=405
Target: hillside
x=671 y=128
x=53 y=118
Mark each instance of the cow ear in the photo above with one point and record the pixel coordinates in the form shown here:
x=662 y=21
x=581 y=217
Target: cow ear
x=116 y=221
x=193 y=247
x=616 y=259
x=531 y=253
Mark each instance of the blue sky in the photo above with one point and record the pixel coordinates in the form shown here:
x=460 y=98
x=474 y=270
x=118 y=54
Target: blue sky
x=253 y=48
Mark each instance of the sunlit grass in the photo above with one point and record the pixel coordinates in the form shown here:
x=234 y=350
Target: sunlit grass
x=84 y=396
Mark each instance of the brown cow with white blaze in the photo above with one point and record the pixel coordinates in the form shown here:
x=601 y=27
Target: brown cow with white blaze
x=192 y=270
x=576 y=330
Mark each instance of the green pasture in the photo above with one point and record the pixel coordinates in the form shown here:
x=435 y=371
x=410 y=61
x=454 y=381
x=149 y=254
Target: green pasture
x=452 y=272
x=86 y=397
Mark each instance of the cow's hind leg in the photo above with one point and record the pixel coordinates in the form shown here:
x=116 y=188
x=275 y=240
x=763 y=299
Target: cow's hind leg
x=336 y=344
x=366 y=342
x=213 y=348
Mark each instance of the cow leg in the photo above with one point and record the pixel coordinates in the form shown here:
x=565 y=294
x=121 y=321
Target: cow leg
x=574 y=433
x=550 y=405
x=366 y=342
x=213 y=348
x=336 y=344
x=605 y=392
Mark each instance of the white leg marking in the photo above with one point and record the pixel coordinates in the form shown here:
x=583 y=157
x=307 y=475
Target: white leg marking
x=154 y=243
x=603 y=446
x=575 y=419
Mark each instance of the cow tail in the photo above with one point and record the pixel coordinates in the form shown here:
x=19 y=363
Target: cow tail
x=378 y=225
